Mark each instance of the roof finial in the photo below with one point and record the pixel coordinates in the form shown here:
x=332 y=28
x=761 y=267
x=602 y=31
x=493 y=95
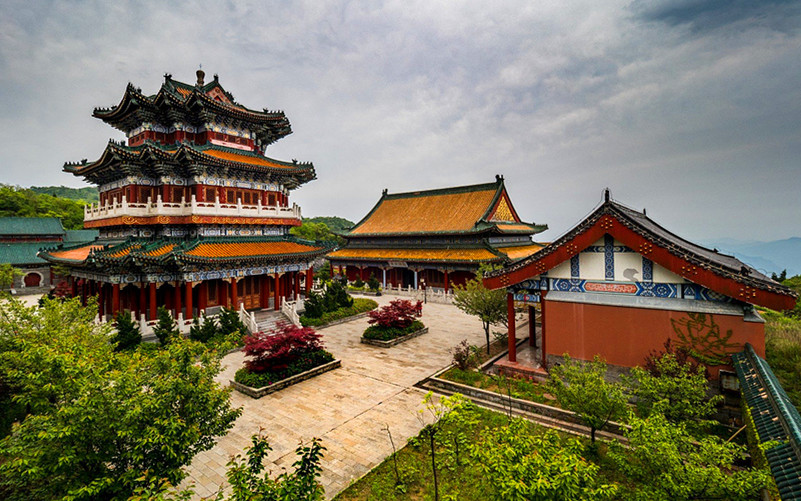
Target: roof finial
x=498 y=178
x=643 y=212
x=384 y=193
x=606 y=194
x=200 y=75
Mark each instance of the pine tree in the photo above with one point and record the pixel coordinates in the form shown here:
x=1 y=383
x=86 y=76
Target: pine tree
x=166 y=328
x=128 y=335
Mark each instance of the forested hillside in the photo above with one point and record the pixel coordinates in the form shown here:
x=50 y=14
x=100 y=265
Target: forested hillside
x=86 y=194
x=23 y=202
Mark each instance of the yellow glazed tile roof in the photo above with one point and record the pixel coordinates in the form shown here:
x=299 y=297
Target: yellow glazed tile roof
x=245 y=249
x=79 y=254
x=432 y=213
x=521 y=251
x=245 y=159
x=479 y=254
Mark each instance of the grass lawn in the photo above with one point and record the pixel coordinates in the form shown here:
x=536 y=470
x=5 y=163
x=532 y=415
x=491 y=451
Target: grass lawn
x=783 y=351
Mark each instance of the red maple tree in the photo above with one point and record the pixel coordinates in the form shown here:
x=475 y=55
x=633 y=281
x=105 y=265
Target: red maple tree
x=274 y=350
x=398 y=314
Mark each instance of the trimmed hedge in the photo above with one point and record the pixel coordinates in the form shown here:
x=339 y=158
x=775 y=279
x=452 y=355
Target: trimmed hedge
x=360 y=305
x=387 y=334
x=305 y=362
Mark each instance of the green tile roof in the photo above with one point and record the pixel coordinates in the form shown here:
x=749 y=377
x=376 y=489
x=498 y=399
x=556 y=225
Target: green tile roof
x=775 y=418
x=23 y=252
x=31 y=226
x=75 y=236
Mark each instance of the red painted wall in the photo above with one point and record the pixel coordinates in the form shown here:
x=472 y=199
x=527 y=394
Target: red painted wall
x=625 y=336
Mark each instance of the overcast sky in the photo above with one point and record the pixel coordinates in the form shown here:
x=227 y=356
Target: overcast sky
x=689 y=108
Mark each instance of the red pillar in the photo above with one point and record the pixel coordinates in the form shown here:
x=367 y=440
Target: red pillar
x=177 y=295
x=309 y=280
x=202 y=297
x=142 y=300
x=510 y=318
x=188 y=301
x=532 y=326
x=199 y=193
x=165 y=192
x=234 y=295
x=84 y=290
x=152 y=314
x=115 y=299
x=277 y=300
x=73 y=287
x=544 y=361
x=296 y=279
x=446 y=281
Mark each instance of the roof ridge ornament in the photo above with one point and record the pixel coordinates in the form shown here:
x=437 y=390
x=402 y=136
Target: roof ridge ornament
x=200 y=76
x=607 y=195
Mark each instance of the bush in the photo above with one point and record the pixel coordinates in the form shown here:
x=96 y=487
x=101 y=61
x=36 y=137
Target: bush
x=358 y=283
x=204 y=330
x=165 y=329
x=373 y=284
x=398 y=314
x=360 y=305
x=278 y=349
x=230 y=322
x=305 y=362
x=390 y=333
x=314 y=305
x=465 y=356
x=128 y=335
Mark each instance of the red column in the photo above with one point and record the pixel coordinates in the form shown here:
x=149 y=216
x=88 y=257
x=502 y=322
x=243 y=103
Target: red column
x=199 y=193
x=115 y=299
x=234 y=295
x=84 y=290
x=165 y=192
x=202 y=297
x=446 y=281
x=277 y=300
x=177 y=296
x=544 y=361
x=264 y=282
x=152 y=314
x=309 y=280
x=296 y=280
x=142 y=300
x=188 y=301
x=510 y=318
x=73 y=287
x=532 y=326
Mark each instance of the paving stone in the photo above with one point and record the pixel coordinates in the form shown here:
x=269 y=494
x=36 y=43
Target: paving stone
x=348 y=408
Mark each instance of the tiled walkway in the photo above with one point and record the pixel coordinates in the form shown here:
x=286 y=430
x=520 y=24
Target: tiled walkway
x=348 y=407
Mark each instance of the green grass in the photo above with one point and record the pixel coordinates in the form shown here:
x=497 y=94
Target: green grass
x=517 y=387
x=783 y=351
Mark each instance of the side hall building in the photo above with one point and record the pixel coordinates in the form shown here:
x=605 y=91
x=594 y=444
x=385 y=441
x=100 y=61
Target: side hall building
x=436 y=238
x=192 y=214
x=619 y=285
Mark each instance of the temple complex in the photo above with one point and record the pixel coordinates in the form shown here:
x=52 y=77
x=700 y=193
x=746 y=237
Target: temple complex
x=436 y=238
x=192 y=214
x=619 y=285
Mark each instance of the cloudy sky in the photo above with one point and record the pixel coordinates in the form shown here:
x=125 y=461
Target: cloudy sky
x=689 y=108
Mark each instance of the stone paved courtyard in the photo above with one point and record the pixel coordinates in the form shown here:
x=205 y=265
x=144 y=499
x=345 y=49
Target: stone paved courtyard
x=348 y=407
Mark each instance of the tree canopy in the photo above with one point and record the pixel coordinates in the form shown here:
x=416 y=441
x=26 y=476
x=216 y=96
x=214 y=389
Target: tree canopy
x=475 y=299
x=22 y=202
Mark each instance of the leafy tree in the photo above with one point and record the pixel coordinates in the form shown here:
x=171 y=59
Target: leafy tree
x=128 y=335
x=316 y=231
x=669 y=464
x=522 y=465
x=249 y=480
x=398 y=314
x=204 y=329
x=21 y=202
x=101 y=423
x=373 y=284
x=582 y=388
x=323 y=272
x=165 y=329
x=488 y=305
x=7 y=275
x=674 y=389
x=781 y=277
x=333 y=222
x=336 y=296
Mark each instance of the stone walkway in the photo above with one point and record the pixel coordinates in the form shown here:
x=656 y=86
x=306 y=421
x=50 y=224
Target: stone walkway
x=348 y=408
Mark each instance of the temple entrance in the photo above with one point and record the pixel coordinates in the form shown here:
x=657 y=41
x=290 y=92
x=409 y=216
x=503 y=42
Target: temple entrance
x=249 y=292
x=32 y=279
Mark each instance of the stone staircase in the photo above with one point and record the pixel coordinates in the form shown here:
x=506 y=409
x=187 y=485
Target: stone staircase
x=268 y=318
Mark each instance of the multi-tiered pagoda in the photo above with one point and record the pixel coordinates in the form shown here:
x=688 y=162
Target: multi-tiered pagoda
x=192 y=214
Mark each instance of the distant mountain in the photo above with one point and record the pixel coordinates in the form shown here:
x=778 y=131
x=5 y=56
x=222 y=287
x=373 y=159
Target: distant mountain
x=767 y=257
x=87 y=194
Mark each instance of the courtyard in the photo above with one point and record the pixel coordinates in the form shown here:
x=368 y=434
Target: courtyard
x=348 y=408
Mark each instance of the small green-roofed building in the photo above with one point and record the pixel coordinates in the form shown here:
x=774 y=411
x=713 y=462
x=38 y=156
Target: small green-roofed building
x=31 y=227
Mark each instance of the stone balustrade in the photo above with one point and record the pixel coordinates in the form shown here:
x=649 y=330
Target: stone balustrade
x=191 y=207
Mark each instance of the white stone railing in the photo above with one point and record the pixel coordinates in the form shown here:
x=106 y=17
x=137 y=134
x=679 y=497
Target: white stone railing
x=430 y=295
x=192 y=207
x=248 y=318
x=291 y=309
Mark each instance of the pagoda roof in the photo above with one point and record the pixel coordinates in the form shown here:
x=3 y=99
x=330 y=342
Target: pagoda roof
x=462 y=254
x=178 y=101
x=186 y=153
x=30 y=226
x=721 y=273
x=480 y=208
x=180 y=252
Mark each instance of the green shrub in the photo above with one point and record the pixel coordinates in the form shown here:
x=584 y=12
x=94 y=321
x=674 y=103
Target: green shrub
x=360 y=305
x=305 y=362
x=373 y=284
x=204 y=330
x=128 y=335
x=166 y=329
x=230 y=322
x=389 y=333
x=358 y=283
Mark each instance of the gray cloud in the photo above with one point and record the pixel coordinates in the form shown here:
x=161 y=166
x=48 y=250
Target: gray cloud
x=689 y=109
